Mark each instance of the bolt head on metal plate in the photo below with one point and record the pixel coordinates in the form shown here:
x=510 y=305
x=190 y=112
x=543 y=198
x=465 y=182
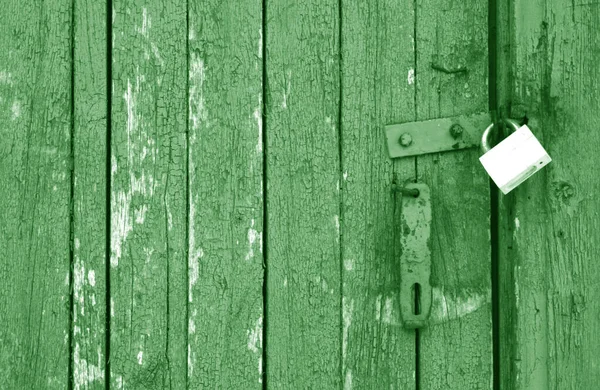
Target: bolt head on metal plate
x=405 y=140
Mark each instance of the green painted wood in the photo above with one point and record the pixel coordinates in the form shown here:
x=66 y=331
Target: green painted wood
x=456 y=349
x=89 y=195
x=461 y=312
x=303 y=336
x=549 y=236
x=148 y=267
x=35 y=188
x=377 y=89
x=225 y=195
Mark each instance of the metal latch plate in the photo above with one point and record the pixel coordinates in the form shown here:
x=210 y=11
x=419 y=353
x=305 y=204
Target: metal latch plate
x=415 y=259
x=436 y=135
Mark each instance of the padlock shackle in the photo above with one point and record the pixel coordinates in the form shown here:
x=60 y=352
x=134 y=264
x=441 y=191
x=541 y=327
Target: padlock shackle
x=485 y=138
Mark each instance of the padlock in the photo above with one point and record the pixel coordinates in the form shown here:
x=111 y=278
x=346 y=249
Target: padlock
x=515 y=159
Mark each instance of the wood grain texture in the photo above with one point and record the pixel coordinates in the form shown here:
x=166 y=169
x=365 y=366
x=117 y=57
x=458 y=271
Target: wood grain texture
x=148 y=275
x=456 y=349
x=35 y=189
x=225 y=195
x=303 y=346
x=89 y=195
x=549 y=237
x=378 y=88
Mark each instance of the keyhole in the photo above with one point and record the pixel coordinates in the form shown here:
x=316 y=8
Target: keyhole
x=416 y=293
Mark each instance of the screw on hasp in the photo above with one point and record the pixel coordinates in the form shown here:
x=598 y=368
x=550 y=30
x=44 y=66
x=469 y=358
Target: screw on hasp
x=405 y=140
x=456 y=131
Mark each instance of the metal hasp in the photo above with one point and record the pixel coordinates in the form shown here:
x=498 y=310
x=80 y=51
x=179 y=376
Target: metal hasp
x=436 y=135
x=415 y=258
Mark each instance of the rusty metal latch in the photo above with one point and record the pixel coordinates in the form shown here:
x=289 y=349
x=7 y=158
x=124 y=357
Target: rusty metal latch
x=415 y=258
x=436 y=135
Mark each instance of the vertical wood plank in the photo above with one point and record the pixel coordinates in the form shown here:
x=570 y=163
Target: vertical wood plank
x=35 y=192
x=225 y=195
x=456 y=348
x=549 y=242
x=378 y=89
x=148 y=195
x=303 y=285
x=89 y=194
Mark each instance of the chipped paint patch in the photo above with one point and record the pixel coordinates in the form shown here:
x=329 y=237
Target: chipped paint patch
x=255 y=336
x=191 y=326
x=411 y=77
x=260 y=43
x=120 y=224
x=348 y=264
x=5 y=77
x=78 y=283
x=169 y=221
x=253 y=236
x=517 y=224
x=139 y=143
x=16 y=109
x=194 y=269
x=148 y=252
x=195 y=253
x=146 y=23
x=286 y=90
x=388 y=311
x=336 y=221
x=384 y=310
x=112 y=307
x=113 y=166
x=84 y=372
x=516 y=278
x=91 y=278
x=140 y=214
x=258 y=117
x=158 y=57
x=118 y=381
x=198 y=114
x=448 y=306
x=345 y=176
x=347 y=308
x=140 y=357
x=259 y=144
x=191 y=358
x=348 y=380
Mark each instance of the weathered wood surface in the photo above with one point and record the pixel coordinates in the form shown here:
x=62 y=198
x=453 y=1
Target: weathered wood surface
x=88 y=345
x=187 y=183
x=35 y=193
x=549 y=233
x=148 y=265
x=456 y=349
x=225 y=166
x=388 y=78
x=378 y=89
x=303 y=338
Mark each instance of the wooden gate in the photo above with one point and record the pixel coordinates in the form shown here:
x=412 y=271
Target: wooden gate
x=197 y=194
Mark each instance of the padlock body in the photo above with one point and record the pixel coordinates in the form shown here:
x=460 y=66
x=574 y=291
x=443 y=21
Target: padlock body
x=515 y=159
